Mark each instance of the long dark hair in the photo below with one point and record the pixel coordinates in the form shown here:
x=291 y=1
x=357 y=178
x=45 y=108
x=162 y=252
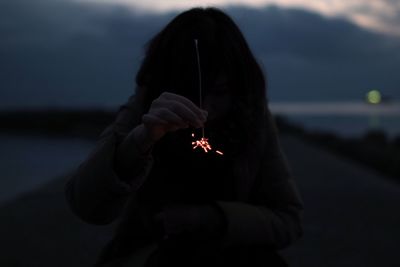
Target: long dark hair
x=170 y=65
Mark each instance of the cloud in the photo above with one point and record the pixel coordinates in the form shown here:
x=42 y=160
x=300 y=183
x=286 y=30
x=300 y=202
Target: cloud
x=382 y=15
x=63 y=53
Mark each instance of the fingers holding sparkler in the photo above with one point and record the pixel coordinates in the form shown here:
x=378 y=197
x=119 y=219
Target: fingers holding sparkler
x=166 y=118
x=201 y=113
x=186 y=114
x=171 y=112
x=182 y=107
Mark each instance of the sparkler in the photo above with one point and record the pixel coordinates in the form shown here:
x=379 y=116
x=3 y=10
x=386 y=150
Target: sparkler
x=203 y=142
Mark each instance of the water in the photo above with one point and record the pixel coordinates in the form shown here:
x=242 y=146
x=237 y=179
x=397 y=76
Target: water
x=349 y=126
x=348 y=119
x=27 y=162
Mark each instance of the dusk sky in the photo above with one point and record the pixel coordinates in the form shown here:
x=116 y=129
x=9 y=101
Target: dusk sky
x=85 y=53
x=380 y=15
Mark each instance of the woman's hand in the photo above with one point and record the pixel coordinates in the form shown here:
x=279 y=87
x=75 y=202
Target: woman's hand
x=170 y=112
x=194 y=222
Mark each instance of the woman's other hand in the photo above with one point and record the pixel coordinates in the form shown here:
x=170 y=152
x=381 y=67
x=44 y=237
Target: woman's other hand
x=195 y=222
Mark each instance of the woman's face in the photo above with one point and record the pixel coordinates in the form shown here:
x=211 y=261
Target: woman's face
x=217 y=100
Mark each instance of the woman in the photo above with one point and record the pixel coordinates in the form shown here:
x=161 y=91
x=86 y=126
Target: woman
x=180 y=206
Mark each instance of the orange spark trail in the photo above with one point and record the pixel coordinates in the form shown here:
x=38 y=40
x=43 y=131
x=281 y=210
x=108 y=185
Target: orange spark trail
x=203 y=144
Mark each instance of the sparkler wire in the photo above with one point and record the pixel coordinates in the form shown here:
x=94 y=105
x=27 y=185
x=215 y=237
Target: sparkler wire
x=200 y=85
x=203 y=142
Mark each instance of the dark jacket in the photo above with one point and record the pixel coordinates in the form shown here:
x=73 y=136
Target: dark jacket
x=263 y=206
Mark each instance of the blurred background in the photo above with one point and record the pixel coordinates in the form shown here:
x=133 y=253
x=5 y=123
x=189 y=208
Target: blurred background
x=333 y=85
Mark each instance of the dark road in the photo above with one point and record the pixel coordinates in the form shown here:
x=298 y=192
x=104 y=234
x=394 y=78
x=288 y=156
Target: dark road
x=352 y=214
x=352 y=219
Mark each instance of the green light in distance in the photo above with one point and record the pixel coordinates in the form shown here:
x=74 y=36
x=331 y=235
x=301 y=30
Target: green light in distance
x=374 y=97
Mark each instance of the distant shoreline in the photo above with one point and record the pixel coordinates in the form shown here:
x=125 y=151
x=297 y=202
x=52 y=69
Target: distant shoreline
x=336 y=108
x=86 y=124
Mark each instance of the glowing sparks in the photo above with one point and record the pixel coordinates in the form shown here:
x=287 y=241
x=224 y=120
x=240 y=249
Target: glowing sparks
x=202 y=143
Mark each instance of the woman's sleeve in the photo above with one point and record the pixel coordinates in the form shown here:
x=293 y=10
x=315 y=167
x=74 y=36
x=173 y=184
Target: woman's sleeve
x=273 y=217
x=95 y=190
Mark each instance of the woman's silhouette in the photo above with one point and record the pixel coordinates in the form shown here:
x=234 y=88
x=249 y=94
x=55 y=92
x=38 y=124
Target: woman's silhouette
x=183 y=207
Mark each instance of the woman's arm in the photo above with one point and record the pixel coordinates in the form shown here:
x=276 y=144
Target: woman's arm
x=98 y=189
x=119 y=164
